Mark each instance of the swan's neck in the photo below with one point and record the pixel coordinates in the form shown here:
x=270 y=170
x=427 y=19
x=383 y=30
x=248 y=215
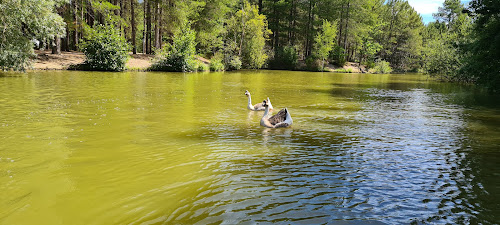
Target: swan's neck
x=263 y=121
x=250 y=106
x=266 y=112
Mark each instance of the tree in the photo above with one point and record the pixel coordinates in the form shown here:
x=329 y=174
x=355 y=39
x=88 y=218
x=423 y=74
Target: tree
x=401 y=36
x=104 y=48
x=133 y=24
x=443 y=48
x=180 y=56
x=210 y=25
x=325 y=41
x=22 y=22
x=247 y=35
x=482 y=61
x=450 y=11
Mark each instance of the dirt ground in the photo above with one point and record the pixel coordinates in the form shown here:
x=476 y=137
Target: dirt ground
x=348 y=66
x=47 y=61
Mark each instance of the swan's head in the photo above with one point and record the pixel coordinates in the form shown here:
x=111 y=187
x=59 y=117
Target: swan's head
x=264 y=103
x=247 y=93
x=268 y=101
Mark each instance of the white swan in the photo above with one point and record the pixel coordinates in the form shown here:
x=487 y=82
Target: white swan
x=281 y=119
x=256 y=107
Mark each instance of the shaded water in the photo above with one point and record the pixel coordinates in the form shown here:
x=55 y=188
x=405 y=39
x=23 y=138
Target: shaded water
x=171 y=148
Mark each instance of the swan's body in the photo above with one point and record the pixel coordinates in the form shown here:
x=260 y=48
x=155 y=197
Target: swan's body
x=256 y=107
x=281 y=119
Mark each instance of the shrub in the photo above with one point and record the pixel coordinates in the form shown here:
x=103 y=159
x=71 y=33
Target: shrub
x=337 y=56
x=216 y=63
x=284 y=58
x=105 y=49
x=342 y=70
x=313 y=64
x=382 y=66
x=234 y=63
x=15 y=55
x=201 y=66
x=178 y=57
x=370 y=64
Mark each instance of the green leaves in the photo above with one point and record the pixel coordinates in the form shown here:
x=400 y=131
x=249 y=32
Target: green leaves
x=180 y=56
x=325 y=40
x=247 y=34
x=22 y=21
x=105 y=49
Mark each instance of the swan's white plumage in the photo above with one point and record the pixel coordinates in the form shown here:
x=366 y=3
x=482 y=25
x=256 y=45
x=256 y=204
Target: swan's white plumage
x=281 y=119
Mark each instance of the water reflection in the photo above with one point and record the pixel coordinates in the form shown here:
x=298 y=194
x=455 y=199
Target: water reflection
x=176 y=148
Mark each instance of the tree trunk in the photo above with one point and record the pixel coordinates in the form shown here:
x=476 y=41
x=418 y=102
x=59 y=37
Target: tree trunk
x=157 y=25
x=161 y=30
x=123 y=11
x=341 y=25
x=346 y=26
x=117 y=11
x=308 y=30
x=148 y=26
x=67 y=39
x=56 y=46
x=276 y=32
x=144 y=35
x=132 y=18
x=75 y=18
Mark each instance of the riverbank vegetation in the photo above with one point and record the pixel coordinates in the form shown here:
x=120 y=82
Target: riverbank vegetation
x=380 y=36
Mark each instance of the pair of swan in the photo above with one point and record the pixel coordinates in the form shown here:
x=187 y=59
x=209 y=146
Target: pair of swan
x=281 y=119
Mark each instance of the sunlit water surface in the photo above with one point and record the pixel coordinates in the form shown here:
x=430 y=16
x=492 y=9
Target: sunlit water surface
x=172 y=148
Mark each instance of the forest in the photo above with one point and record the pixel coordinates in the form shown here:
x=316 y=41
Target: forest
x=462 y=45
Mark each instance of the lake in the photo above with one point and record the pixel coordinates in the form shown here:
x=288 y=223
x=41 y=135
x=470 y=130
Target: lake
x=173 y=148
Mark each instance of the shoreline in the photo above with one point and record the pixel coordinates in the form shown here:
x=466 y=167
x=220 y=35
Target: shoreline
x=45 y=60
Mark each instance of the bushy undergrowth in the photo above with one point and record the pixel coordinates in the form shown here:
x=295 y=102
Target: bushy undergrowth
x=337 y=56
x=382 y=66
x=178 y=57
x=233 y=63
x=285 y=58
x=105 y=49
x=216 y=63
x=313 y=64
x=342 y=70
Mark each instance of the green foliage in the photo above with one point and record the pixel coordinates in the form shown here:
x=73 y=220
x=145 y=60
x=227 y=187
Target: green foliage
x=234 y=63
x=367 y=51
x=22 y=21
x=313 y=63
x=450 y=10
x=343 y=70
x=201 y=66
x=178 y=57
x=284 y=58
x=105 y=49
x=382 y=66
x=401 y=36
x=210 y=25
x=216 y=63
x=440 y=58
x=482 y=54
x=337 y=56
x=246 y=36
x=442 y=54
x=325 y=41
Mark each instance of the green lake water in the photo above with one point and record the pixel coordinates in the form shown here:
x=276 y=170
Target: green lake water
x=173 y=148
